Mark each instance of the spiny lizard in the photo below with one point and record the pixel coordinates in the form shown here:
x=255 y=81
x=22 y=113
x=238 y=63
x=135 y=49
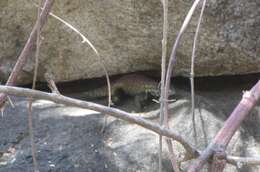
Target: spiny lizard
x=136 y=85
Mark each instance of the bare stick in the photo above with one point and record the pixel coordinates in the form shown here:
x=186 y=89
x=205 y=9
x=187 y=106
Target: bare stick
x=192 y=70
x=2 y=109
x=51 y=83
x=163 y=68
x=173 y=59
x=173 y=56
x=30 y=110
x=172 y=155
x=240 y=161
x=60 y=99
x=225 y=134
x=27 y=48
x=86 y=40
x=162 y=98
x=33 y=146
x=57 y=98
x=219 y=161
x=38 y=34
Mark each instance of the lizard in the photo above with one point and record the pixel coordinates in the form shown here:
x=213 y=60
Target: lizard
x=138 y=86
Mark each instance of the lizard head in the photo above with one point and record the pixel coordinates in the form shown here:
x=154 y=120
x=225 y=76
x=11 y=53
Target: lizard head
x=156 y=92
x=152 y=90
x=172 y=92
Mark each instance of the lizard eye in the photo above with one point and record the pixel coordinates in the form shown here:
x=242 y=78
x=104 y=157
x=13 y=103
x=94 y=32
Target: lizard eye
x=146 y=87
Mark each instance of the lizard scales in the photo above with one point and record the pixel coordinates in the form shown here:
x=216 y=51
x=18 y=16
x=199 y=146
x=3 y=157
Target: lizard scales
x=132 y=85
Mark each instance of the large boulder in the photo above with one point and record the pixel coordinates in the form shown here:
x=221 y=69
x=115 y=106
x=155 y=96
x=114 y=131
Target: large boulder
x=128 y=36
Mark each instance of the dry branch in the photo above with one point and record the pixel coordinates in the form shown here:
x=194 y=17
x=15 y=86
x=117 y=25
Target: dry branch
x=100 y=59
x=27 y=48
x=239 y=161
x=225 y=134
x=51 y=83
x=192 y=70
x=162 y=98
x=57 y=98
x=172 y=59
x=30 y=109
x=165 y=91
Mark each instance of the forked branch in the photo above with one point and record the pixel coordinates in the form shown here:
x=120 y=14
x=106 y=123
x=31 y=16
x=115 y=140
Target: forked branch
x=57 y=98
x=27 y=48
x=225 y=134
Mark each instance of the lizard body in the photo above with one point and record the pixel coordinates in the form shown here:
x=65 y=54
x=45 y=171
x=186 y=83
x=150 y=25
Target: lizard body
x=131 y=85
x=138 y=86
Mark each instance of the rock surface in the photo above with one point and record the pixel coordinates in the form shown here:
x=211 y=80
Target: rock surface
x=68 y=139
x=128 y=34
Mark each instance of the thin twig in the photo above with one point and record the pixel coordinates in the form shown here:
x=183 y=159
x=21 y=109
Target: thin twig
x=51 y=83
x=86 y=40
x=57 y=98
x=2 y=109
x=27 y=48
x=10 y=101
x=173 y=59
x=30 y=110
x=33 y=146
x=240 y=161
x=192 y=70
x=160 y=130
x=173 y=56
x=225 y=134
x=163 y=69
x=37 y=51
x=162 y=99
x=172 y=155
x=218 y=161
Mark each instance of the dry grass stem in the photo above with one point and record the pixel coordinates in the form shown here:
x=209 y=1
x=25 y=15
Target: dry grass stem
x=86 y=40
x=173 y=53
x=192 y=70
x=163 y=120
x=163 y=69
x=51 y=83
x=30 y=110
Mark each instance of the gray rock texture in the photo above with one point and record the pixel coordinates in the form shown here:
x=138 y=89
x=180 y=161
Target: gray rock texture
x=68 y=139
x=128 y=36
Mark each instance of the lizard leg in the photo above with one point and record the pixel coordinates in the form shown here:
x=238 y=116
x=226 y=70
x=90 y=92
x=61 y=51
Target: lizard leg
x=117 y=95
x=139 y=101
